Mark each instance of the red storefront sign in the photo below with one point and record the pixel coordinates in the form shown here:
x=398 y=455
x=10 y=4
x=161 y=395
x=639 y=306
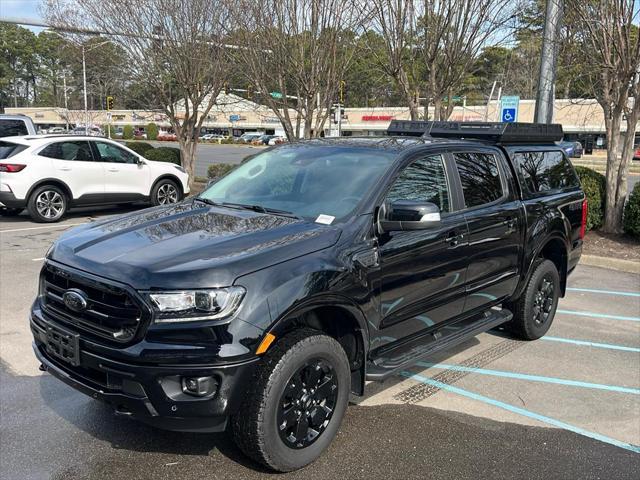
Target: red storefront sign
x=377 y=118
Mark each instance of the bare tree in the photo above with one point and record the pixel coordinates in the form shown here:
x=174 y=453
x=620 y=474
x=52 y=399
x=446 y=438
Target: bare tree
x=611 y=55
x=452 y=34
x=396 y=22
x=174 y=47
x=294 y=54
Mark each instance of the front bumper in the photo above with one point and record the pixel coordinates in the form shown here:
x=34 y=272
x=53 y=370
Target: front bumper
x=150 y=393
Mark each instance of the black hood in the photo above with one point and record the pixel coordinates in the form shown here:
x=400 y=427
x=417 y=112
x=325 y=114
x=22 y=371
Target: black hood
x=187 y=245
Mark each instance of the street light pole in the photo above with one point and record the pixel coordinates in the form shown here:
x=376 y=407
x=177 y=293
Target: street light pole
x=547 y=76
x=66 y=105
x=84 y=87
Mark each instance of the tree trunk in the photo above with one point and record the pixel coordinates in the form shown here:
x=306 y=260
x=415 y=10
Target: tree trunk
x=409 y=93
x=613 y=205
x=188 y=147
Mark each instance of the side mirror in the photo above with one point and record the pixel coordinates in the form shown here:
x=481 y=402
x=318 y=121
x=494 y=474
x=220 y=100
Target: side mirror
x=410 y=215
x=140 y=161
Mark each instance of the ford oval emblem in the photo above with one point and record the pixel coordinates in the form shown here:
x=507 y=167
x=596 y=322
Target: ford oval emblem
x=75 y=300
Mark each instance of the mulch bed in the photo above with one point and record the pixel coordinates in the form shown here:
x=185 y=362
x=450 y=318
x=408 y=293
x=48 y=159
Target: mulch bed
x=611 y=245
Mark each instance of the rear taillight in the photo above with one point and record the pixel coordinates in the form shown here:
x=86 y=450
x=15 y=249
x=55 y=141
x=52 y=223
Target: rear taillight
x=583 y=224
x=11 y=167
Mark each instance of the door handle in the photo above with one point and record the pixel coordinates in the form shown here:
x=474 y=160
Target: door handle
x=65 y=169
x=112 y=170
x=453 y=238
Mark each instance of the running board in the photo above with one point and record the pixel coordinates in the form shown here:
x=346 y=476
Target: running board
x=399 y=357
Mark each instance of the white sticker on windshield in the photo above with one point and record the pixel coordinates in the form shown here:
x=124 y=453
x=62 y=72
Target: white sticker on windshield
x=325 y=219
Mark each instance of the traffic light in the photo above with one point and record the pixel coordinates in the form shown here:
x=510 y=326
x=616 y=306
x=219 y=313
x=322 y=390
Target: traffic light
x=109 y=104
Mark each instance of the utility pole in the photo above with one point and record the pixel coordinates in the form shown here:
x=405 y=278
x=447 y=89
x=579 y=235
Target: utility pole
x=547 y=76
x=84 y=88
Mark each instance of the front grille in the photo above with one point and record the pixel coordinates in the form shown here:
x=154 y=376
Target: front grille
x=111 y=311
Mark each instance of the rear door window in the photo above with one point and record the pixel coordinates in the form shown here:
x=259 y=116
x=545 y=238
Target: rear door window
x=542 y=172
x=79 y=151
x=480 y=178
x=10 y=128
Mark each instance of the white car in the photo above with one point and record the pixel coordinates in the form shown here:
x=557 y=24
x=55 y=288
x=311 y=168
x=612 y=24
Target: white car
x=49 y=174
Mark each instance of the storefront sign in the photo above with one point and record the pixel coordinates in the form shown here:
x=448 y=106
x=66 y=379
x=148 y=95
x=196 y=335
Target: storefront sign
x=377 y=118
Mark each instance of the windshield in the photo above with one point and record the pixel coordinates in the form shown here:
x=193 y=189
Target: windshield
x=305 y=180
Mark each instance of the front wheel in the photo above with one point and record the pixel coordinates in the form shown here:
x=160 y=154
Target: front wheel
x=534 y=311
x=295 y=406
x=165 y=192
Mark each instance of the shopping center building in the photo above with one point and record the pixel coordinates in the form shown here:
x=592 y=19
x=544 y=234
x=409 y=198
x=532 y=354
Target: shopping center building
x=581 y=120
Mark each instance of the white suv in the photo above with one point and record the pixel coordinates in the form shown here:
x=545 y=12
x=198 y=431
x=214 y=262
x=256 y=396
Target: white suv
x=51 y=173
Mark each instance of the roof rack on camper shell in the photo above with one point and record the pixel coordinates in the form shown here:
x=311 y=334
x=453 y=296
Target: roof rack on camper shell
x=503 y=133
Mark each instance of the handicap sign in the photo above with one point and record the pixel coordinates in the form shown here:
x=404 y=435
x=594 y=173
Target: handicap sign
x=508 y=115
x=509 y=109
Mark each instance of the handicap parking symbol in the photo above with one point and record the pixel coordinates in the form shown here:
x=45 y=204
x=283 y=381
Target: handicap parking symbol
x=509 y=115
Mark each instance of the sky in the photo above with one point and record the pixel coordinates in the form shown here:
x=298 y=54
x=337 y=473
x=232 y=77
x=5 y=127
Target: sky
x=22 y=9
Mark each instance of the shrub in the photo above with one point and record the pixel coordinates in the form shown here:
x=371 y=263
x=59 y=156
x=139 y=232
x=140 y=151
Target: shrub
x=127 y=132
x=152 y=131
x=217 y=170
x=594 y=185
x=164 y=154
x=227 y=141
x=631 y=218
x=140 y=148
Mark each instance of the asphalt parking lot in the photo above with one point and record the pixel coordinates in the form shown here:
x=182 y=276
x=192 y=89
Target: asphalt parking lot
x=565 y=406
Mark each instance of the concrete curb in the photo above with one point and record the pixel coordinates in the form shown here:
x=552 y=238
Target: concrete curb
x=611 y=263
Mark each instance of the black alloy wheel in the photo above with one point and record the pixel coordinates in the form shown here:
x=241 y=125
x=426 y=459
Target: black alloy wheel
x=543 y=300
x=307 y=404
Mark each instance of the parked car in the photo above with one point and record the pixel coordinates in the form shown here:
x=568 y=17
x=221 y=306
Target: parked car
x=268 y=299
x=12 y=125
x=636 y=154
x=277 y=140
x=572 y=149
x=250 y=137
x=91 y=131
x=57 y=130
x=167 y=137
x=214 y=137
x=47 y=175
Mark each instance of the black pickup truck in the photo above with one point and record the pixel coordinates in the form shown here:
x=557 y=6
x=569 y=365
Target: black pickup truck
x=268 y=299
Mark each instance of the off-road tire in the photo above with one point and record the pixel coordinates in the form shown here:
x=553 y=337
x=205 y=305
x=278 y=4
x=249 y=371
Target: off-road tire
x=255 y=427
x=525 y=323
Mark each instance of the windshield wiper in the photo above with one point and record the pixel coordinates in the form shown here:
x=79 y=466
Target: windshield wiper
x=207 y=201
x=260 y=209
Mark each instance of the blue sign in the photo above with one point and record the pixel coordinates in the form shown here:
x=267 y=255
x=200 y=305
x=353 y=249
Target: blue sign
x=509 y=109
x=234 y=118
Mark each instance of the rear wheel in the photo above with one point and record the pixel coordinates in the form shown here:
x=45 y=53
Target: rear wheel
x=47 y=204
x=296 y=403
x=534 y=311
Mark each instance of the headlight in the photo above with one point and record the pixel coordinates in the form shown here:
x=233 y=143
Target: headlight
x=193 y=305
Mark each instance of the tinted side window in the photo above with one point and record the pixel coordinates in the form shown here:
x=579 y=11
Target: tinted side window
x=113 y=154
x=544 y=171
x=10 y=128
x=79 y=151
x=480 y=178
x=423 y=180
x=8 y=150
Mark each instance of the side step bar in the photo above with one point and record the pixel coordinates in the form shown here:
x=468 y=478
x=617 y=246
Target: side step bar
x=406 y=354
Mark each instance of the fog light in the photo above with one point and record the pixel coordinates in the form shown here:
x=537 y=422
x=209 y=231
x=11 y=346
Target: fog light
x=199 y=386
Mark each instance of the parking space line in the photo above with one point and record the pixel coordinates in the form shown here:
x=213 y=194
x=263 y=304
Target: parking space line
x=41 y=227
x=604 y=292
x=522 y=411
x=591 y=344
x=599 y=315
x=532 y=378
